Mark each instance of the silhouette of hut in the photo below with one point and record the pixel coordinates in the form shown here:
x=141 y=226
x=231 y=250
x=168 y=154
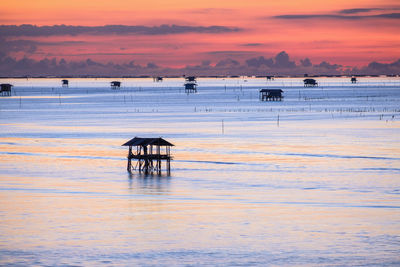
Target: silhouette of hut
x=158 y=79
x=310 y=83
x=64 y=83
x=115 y=85
x=191 y=87
x=149 y=155
x=271 y=95
x=353 y=80
x=5 y=89
x=270 y=78
x=190 y=84
x=190 y=79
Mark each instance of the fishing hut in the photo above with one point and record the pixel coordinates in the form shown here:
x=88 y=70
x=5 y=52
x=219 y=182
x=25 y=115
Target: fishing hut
x=149 y=153
x=64 y=83
x=353 y=80
x=270 y=78
x=190 y=84
x=115 y=85
x=5 y=89
x=190 y=87
x=310 y=83
x=158 y=79
x=271 y=95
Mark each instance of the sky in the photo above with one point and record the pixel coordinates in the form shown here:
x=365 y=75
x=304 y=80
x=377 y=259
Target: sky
x=159 y=34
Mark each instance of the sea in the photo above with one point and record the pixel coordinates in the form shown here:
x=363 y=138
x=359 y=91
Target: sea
x=312 y=180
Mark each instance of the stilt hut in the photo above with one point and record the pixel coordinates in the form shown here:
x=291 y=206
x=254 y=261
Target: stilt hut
x=64 y=83
x=271 y=95
x=149 y=153
x=353 y=80
x=270 y=78
x=158 y=79
x=115 y=85
x=190 y=84
x=5 y=89
x=190 y=87
x=310 y=83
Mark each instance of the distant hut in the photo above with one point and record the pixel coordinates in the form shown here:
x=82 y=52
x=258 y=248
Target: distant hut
x=270 y=78
x=5 y=89
x=310 y=83
x=353 y=80
x=115 y=85
x=149 y=155
x=271 y=95
x=191 y=87
x=158 y=79
x=64 y=83
x=190 y=79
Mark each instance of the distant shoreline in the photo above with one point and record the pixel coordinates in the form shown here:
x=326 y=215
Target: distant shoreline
x=200 y=76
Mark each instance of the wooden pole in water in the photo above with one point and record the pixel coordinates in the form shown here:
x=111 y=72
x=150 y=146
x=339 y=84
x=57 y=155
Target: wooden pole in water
x=129 y=167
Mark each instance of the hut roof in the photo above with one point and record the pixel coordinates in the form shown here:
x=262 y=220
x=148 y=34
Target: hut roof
x=271 y=90
x=309 y=80
x=190 y=78
x=139 y=141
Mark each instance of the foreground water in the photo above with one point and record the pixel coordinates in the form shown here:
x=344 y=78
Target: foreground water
x=312 y=180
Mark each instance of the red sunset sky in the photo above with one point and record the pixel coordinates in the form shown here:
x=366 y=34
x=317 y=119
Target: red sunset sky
x=345 y=32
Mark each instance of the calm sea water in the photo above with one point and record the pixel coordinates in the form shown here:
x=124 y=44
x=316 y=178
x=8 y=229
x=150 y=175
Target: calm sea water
x=313 y=180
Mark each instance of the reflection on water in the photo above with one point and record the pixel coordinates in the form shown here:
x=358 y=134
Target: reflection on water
x=141 y=183
x=320 y=188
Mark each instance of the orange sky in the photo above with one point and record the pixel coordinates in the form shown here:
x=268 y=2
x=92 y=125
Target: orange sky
x=326 y=32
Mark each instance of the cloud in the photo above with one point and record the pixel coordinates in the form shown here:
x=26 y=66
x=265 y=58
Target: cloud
x=337 y=17
x=306 y=62
x=260 y=61
x=358 y=10
x=105 y=54
x=62 y=43
x=328 y=66
x=280 y=61
x=376 y=68
x=252 y=44
x=280 y=64
x=388 y=16
x=50 y=67
x=26 y=46
x=227 y=63
x=29 y=46
x=57 y=30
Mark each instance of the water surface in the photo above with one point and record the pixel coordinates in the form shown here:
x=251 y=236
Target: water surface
x=311 y=180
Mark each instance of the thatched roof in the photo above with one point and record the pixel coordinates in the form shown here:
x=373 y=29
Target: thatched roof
x=270 y=90
x=139 y=141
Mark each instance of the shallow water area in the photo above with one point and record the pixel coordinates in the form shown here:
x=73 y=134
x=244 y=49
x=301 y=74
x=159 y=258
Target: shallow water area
x=310 y=180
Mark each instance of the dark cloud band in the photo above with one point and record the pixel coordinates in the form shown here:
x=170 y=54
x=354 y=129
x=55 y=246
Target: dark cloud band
x=340 y=17
x=359 y=10
x=56 y=30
